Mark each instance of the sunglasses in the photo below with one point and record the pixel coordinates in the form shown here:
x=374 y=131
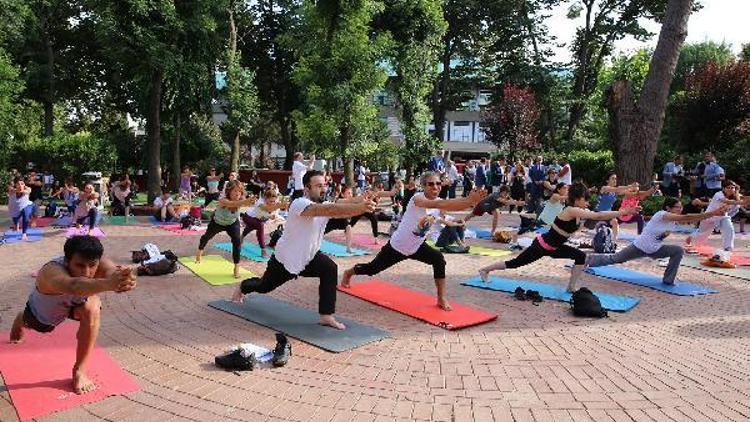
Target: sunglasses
x=433 y=184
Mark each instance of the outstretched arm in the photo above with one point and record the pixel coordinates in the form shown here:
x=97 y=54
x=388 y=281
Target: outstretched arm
x=457 y=204
x=54 y=279
x=602 y=215
x=339 y=209
x=692 y=218
x=226 y=203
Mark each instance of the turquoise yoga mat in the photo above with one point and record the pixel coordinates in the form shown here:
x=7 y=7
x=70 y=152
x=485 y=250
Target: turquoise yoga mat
x=249 y=251
x=338 y=250
x=609 y=302
x=649 y=280
x=31 y=231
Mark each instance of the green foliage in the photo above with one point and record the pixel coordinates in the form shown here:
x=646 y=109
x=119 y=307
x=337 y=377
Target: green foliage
x=693 y=57
x=241 y=98
x=591 y=166
x=511 y=122
x=745 y=53
x=69 y=155
x=10 y=88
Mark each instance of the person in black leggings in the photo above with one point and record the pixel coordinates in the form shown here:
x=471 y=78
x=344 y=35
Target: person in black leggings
x=408 y=241
x=552 y=243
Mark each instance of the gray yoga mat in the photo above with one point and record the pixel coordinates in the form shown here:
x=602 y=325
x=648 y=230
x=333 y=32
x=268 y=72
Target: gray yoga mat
x=300 y=323
x=694 y=261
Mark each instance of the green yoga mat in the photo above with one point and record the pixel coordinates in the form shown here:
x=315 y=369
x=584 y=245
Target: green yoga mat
x=119 y=220
x=215 y=270
x=479 y=250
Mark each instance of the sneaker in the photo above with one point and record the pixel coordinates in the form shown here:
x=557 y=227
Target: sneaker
x=534 y=296
x=236 y=360
x=519 y=293
x=282 y=351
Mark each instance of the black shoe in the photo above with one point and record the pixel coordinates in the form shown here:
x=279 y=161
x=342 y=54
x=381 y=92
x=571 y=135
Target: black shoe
x=236 y=361
x=282 y=351
x=519 y=293
x=534 y=296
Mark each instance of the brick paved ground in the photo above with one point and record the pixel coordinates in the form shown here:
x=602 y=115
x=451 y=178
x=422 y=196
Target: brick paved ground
x=671 y=358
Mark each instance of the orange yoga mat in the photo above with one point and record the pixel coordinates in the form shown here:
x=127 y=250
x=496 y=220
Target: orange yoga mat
x=37 y=373
x=737 y=259
x=418 y=305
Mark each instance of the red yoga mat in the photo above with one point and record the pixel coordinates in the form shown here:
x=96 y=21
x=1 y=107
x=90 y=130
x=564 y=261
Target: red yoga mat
x=37 y=373
x=418 y=305
x=44 y=221
x=737 y=259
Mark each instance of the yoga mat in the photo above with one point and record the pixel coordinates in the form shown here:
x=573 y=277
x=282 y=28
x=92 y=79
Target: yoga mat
x=736 y=259
x=361 y=240
x=44 y=221
x=119 y=220
x=31 y=231
x=301 y=323
x=337 y=250
x=683 y=229
x=693 y=261
x=37 y=373
x=542 y=230
x=32 y=238
x=610 y=302
x=626 y=236
x=418 y=305
x=154 y=221
x=215 y=270
x=649 y=280
x=482 y=233
x=176 y=229
x=72 y=231
x=250 y=251
x=63 y=221
x=484 y=251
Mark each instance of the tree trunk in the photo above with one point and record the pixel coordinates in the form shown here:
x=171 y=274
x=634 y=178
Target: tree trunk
x=346 y=136
x=49 y=97
x=635 y=128
x=234 y=162
x=440 y=93
x=176 y=166
x=153 y=124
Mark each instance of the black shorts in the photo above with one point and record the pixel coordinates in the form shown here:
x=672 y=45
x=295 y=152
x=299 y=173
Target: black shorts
x=30 y=321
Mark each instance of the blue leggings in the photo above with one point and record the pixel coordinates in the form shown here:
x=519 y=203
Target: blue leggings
x=91 y=216
x=25 y=216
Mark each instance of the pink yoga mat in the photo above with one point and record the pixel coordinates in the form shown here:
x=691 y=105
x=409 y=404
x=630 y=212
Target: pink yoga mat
x=37 y=373
x=177 y=230
x=44 y=221
x=360 y=240
x=97 y=232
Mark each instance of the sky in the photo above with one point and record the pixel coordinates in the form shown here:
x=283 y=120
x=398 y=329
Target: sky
x=718 y=20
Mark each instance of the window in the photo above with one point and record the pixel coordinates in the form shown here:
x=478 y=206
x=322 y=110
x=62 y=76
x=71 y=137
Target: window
x=461 y=123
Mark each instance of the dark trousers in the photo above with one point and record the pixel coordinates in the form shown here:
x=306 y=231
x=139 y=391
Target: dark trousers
x=373 y=222
x=252 y=223
x=25 y=215
x=210 y=197
x=233 y=230
x=536 y=251
x=468 y=186
x=321 y=267
x=91 y=216
x=449 y=235
x=388 y=257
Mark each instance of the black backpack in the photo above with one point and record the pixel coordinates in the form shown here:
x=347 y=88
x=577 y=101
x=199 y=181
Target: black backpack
x=167 y=265
x=603 y=241
x=189 y=221
x=586 y=304
x=276 y=235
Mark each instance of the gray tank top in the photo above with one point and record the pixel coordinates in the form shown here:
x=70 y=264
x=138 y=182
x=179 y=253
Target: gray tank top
x=53 y=309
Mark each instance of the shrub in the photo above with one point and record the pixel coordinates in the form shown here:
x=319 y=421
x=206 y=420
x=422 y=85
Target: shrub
x=591 y=166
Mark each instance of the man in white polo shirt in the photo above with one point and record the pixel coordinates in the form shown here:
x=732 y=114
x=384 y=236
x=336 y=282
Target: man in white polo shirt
x=299 y=168
x=298 y=250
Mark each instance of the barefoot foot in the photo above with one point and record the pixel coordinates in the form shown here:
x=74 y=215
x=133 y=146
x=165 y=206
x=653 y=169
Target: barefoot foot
x=16 y=333
x=238 y=296
x=237 y=271
x=81 y=383
x=444 y=305
x=484 y=275
x=346 y=279
x=25 y=237
x=330 y=321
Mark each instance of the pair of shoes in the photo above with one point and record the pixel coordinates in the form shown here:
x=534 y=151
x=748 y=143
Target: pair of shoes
x=282 y=351
x=531 y=295
x=519 y=293
x=236 y=360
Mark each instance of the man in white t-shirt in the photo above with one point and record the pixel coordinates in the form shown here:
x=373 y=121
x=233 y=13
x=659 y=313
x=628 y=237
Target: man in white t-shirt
x=566 y=173
x=729 y=199
x=407 y=242
x=362 y=171
x=298 y=253
x=164 y=211
x=650 y=243
x=299 y=168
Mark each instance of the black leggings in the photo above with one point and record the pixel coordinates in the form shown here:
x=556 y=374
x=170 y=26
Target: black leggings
x=210 y=197
x=373 y=222
x=233 y=230
x=387 y=257
x=321 y=266
x=536 y=251
x=336 y=224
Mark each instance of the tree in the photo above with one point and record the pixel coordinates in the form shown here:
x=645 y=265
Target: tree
x=695 y=56
x=415 y=29
x=511 y=122
x=338 y=72
x=606 y=21
x=241 y=105
x=745 y=53
x=714 y=111
x=635 y=126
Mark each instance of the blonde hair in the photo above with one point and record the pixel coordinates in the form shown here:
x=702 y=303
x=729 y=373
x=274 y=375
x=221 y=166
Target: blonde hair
x=271 y=193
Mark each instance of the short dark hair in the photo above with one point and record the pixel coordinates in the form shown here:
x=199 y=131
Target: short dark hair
x=504 y=188
x=309 y=175
x=577 y=190
x=87 y=247
x=558 y=187
x=17 y=179
x=669 y=202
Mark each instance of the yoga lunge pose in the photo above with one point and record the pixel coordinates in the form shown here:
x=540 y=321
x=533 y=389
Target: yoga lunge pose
x=408 y=241
x=730 y=197
x=552 y=208
x=298 y=253
x=265 y=209
x=86 y=208
x=67 y=287
x=650 y=242
x=492 y=204
x=186 y=186
x=607 y=197
x=20 y=206
x=226 y=218
x=163 y=208
x=212 y=186
x=552 y=243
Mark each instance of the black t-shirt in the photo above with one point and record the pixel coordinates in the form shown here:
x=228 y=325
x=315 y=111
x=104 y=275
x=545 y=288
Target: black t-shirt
x=689 y=208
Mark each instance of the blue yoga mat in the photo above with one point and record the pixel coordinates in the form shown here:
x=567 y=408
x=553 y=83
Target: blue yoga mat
x=153 y=220
x=32 y=238
x=63 y=221
x=542 y=230
x=683 y=228
x=481 y=233
x=31 y=231
x=335 y=249
x=609 y=302
x=250 y=251
x=648 y=280
x=626 y=236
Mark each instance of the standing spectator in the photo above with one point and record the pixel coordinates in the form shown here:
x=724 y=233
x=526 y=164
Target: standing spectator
x=299 y=168
x=48 y=179
x=481 y=178
x=556 y=165
x=34 y=182
x=670 y=177
x=255 y=185
x=713 y=176
x=536 y=174
x=402 y=173
x=453 y=176
x=699 y=175
x=518 y=184
x=497 y=174
x=470 y=174
x=565 y=173
x=436 y=163
x=362 y=172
